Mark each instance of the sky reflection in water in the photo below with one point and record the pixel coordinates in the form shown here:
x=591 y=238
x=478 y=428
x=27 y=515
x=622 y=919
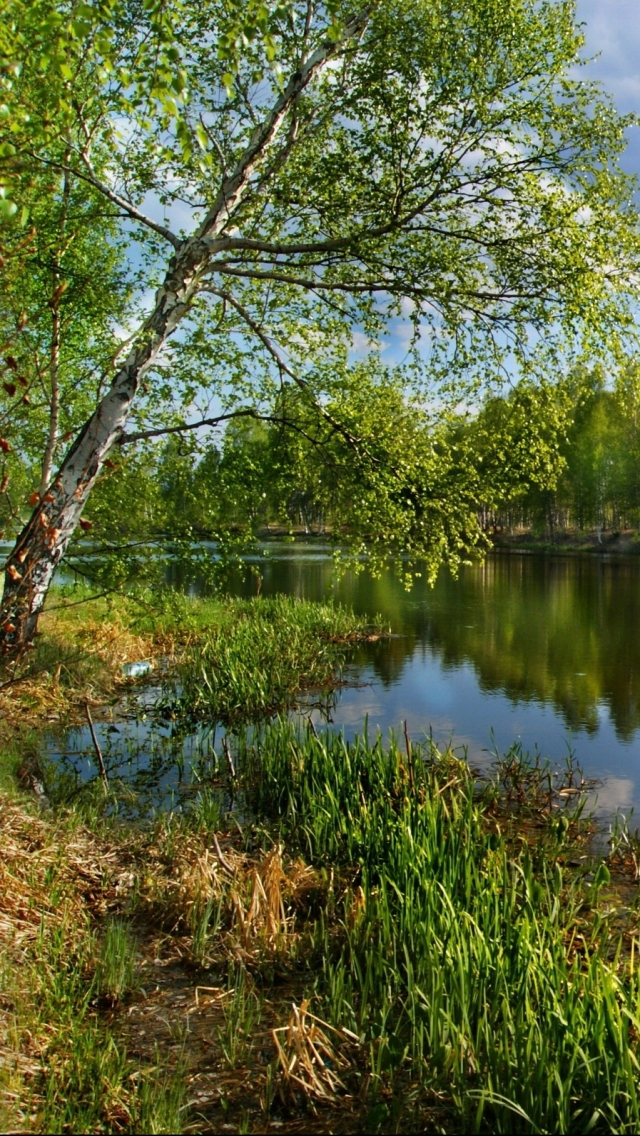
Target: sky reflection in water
x=537 y=649
x=523 y=648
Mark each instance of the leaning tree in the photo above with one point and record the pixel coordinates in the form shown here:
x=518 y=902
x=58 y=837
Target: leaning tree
x=294 y=180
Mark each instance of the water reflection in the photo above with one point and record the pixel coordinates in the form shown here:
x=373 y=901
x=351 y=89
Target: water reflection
x=540 y=649
x=558 y=630
x=562 y=631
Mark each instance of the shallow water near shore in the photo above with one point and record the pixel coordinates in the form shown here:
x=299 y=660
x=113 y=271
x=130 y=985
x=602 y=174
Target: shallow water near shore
x=538 y=650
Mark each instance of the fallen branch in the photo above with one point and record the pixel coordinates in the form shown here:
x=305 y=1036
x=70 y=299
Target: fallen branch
x=224 y=862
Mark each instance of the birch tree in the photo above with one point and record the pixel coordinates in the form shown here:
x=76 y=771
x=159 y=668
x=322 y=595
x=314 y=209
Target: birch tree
x=301 y=178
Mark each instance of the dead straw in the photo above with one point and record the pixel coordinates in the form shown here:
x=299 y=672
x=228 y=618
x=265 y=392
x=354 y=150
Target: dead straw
x=307 y=1056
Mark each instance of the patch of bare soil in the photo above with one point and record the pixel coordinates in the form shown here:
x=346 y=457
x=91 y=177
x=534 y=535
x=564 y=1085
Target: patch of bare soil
x=222 y=973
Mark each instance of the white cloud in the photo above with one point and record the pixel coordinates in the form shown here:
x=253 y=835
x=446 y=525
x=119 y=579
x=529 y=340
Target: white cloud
x=361 y=344
x=612 y=30
x=614 y=794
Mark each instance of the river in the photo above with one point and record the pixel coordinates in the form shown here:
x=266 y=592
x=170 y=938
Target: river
x=537 y=649
x=532 y=649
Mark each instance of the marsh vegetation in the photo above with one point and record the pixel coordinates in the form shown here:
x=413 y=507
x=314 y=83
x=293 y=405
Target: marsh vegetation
x=270 y=261
x=326 y=936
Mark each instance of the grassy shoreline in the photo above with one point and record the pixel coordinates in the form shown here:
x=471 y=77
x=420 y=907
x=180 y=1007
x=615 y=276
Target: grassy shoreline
x=385 y=943
x=209 y=656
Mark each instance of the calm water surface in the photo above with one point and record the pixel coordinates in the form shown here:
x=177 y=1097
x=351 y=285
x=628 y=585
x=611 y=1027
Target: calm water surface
x=535 y=649
x=539 y=650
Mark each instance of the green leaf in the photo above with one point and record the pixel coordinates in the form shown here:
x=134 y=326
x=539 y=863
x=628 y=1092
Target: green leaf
x=334 y=32
x=7 y=208
x=201 y=136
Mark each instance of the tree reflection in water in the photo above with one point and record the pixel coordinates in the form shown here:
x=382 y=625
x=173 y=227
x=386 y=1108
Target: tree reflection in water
x=560 y=630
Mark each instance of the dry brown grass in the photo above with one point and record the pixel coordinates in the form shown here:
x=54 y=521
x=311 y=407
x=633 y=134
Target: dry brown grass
x=308 y=1056
x=73 y=663
x=59 y=878
x=53 y=866
x=257 y=895
x=54 y=875
x=48 y=864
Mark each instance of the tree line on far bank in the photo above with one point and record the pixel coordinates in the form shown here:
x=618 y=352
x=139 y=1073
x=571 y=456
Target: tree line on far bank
x=583 y=478
x=541 y=459
x=597 y=487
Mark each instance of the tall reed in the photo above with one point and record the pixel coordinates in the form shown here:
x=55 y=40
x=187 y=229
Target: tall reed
x=476 y=963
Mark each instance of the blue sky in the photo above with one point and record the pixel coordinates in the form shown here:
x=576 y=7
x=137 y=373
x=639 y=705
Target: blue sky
x=613 y=33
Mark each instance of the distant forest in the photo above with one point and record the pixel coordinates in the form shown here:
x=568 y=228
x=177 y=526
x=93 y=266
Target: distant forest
x=596 y=456
x=598 y=484
x=584 y=434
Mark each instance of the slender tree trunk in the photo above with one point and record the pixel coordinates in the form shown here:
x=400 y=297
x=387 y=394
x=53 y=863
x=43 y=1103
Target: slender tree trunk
x=44 y=539
x=54 y=364
x=54 y=412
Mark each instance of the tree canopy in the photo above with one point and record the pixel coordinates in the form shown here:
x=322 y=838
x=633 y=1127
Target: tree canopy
x=261 y=197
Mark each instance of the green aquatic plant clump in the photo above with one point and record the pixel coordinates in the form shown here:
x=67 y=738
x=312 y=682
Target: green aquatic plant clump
x=260 y=654
x=116 y=970
x=473 y=964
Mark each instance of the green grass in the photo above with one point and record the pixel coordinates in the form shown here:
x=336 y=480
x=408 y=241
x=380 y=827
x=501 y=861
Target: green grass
x=475 y=965
x=116 y=969
x=62 y=965
x=241 y=1015
x=87 y=1083
x=204 y=923
x=484 y=979
x=227 y=657
x=11 y=758
x=260 y=656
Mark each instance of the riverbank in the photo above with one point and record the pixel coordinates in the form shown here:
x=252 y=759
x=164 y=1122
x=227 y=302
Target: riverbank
x=624 y=541
x=67 y=951
x=619 y=543
x=388 y=945
x=327 y=936
x=218 y=653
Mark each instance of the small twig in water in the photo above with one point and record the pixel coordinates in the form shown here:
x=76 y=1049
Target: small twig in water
x=227 y=754
x=103 y=772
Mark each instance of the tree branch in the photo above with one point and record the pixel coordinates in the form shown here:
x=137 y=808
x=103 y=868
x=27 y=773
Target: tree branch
x=245 y=412
x=143 y=435
x=122 y=203
x=282 y=365
x=311 y=283
x=234 y=186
